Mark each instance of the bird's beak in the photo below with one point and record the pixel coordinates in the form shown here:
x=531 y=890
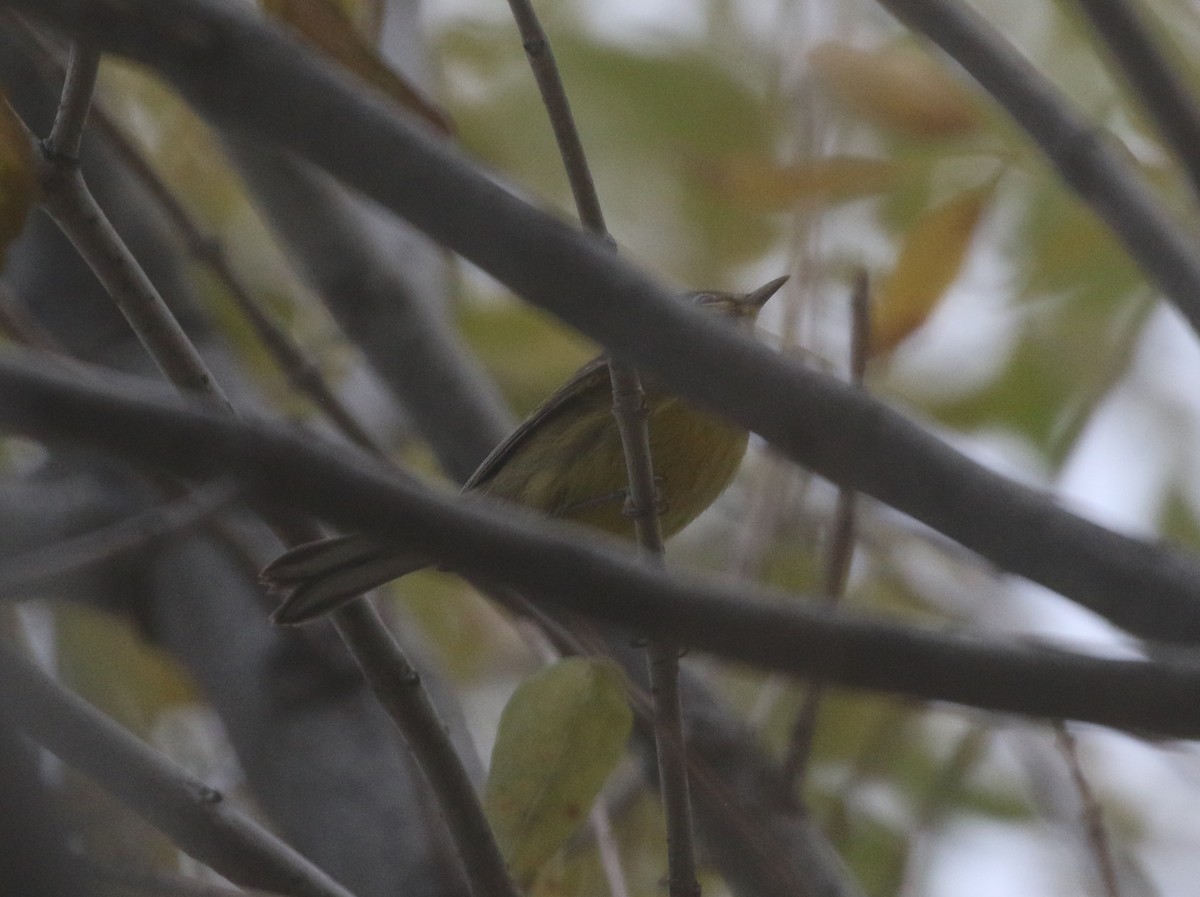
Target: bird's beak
x=759 y=297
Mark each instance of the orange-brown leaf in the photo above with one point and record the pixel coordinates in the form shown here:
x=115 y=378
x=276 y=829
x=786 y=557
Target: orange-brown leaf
x=897 y=88
x=762 y=184
x=930 y=260
x=325 y=26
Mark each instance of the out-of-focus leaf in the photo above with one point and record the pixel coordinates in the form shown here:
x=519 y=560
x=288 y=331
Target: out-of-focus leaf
x=1070 y=353
x=638 y=831
x=1085 y=304
x=19 y=188
x=471 y=637
x=327 y=26
x=873 y=854
x=930 y=259
x=763 y=184
x=897 y=88
x=1068 y=250
x=643 y=118
x=176 y=143
x=560 y=736
x=506 y=336
x=101 y=657
x=1178 y=520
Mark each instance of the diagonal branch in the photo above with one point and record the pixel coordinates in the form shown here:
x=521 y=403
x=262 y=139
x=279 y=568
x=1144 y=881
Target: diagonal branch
x=237 y=71
x=1160 y=89
x=196 y=817
x=569 y=568
x=1085 y=156
x=632 y=418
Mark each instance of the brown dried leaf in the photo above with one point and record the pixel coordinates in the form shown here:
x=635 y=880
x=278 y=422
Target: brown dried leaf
x=19 y=187
x=325 y=26
x=929 y=261
x=897 y=88
x=762 y=184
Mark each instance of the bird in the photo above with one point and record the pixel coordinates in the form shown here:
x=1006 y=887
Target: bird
x=565 y=461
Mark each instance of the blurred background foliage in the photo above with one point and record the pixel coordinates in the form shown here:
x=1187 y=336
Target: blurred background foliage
x=730 y=142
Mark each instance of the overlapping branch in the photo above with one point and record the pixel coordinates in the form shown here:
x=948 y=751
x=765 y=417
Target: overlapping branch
x=561 y=566
x=241 y=74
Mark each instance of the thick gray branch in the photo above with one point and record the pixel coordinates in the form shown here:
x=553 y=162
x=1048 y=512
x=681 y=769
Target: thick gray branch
x=568 y=568
x=246 y=76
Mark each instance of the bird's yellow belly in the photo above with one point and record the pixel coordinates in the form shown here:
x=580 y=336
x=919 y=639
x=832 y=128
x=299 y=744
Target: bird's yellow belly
x=695 y=456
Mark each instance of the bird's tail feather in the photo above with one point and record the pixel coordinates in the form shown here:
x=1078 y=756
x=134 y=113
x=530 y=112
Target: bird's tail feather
x=318 y=577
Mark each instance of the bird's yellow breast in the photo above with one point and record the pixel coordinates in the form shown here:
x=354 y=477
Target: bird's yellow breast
x=574 y=467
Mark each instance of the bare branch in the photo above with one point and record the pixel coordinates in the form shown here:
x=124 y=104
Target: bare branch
x=69 y=202
x=840 y=550
x=825 y=425
x=65 y=557
x=1160 y=89
x=632 y=418
x=1084 y=155
x=80 y=82
x=196 y=817
x=1095 y=829
x=397 y=685
x=572 y=571
x=566 y=135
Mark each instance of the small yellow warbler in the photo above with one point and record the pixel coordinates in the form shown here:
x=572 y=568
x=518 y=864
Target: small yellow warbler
x=565 y=461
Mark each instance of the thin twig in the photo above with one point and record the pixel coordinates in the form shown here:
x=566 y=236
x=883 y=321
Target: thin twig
x=631 y=414
x=197 y=818
x=388 y=673
x=67 y=131
x=549 y=562
x=829 y=428
x=300 y=371
x=19 y=327
x=75 y=211
x=1164 y=94
x=934 y=804
x=841 y=545
x=554 y=98
x=69 y=202
x=1084 y=155
x=609 y=851
x=24 y=572
x=162 y=884
x=397 y=685
x=1092 y=815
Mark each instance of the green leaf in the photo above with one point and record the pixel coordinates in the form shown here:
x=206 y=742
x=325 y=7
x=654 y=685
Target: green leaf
x=645 y=119
x=560 y=736
x=506 y=335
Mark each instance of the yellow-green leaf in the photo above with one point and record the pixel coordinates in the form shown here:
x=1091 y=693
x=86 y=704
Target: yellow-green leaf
x=19 y=188
x=897 y=88
x=762 y=184
x=929 y=261
x=104 y=659
x=326 y=26
x=560 y=736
